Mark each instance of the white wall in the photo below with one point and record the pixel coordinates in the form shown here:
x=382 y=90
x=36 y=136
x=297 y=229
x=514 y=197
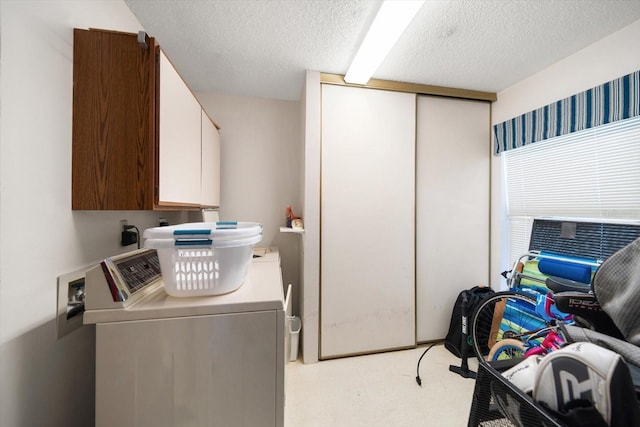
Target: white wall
x=261 y=170
x=45 y=381
x=610 y=58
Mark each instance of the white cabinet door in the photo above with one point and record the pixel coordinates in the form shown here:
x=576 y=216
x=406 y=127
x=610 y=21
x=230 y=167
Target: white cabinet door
x=180 y=139
x=452 y=207
x=210 y=163
x=367 y=221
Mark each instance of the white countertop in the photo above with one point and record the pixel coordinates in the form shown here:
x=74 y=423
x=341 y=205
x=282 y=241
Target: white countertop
x=261 y=291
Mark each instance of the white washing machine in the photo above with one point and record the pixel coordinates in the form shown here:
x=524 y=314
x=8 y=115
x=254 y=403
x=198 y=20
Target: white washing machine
x=197 y=361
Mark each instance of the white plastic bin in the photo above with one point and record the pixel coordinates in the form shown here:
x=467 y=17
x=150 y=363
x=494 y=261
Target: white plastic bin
x=295 y=326
x=198 y=259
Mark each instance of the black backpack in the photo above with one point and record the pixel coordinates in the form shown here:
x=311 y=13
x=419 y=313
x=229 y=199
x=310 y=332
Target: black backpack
x=471 y=298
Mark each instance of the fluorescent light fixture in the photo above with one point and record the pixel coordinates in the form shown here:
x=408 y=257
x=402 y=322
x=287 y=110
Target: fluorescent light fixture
x=392 y=19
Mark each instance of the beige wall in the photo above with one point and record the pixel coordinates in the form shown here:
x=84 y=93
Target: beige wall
x=261 y=170
x=45 y=381
x=610 y=58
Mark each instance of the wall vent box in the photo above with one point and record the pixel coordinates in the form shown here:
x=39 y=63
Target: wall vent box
x=70 y=302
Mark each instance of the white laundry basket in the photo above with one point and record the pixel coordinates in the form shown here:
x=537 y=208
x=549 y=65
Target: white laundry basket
x=198 y=259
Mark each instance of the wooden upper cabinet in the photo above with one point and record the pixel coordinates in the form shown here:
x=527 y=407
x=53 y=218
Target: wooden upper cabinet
x=114 y=128
x=137 y=128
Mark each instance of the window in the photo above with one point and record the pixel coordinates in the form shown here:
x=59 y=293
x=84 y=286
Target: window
x=592 y=174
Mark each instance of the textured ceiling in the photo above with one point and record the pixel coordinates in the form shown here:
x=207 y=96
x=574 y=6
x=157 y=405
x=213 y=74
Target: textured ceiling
x=260 y=48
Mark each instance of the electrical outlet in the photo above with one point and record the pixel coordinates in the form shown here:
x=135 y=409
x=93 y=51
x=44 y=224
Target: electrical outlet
x=71 y=288
x=129 y=233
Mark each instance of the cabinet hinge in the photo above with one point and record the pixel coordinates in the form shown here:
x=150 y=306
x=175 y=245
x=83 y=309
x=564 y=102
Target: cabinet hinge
x=142 y=40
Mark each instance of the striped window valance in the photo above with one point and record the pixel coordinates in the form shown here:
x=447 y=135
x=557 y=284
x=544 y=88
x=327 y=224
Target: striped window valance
x=615 y=100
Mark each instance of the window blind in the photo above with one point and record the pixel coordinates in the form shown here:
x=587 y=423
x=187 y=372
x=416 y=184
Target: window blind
x=593 y=174
x=590 y=174
x=519 y=235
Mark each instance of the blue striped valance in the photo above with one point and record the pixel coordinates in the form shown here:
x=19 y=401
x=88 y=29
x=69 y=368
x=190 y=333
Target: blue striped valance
x=616 y=100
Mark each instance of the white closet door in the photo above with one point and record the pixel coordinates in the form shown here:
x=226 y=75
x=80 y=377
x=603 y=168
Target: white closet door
x=452 y=207
x=367 y=221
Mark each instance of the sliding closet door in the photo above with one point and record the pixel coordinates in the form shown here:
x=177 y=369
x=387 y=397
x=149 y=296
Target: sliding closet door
x=367 y=221
x=452 y=207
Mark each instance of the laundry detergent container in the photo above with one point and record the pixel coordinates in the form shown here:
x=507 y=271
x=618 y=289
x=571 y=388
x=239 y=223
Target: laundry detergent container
x=204 y=258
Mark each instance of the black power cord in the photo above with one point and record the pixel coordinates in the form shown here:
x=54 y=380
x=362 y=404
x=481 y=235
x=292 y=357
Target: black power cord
x=418 y=380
